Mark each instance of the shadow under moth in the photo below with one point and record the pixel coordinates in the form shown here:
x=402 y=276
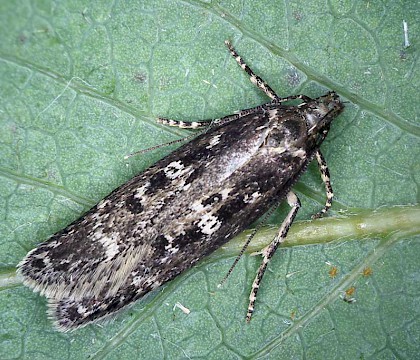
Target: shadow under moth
x=164 y=220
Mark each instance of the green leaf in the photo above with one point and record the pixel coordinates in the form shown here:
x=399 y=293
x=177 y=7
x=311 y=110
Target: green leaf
x=81 y=85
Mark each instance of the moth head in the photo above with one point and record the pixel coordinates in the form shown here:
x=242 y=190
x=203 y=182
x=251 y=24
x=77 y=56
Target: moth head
x=319 y=114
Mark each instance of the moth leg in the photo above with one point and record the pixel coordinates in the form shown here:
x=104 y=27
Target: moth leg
x=203 y=125
x=241 y=113
x=212 y=122
x=183 y=124
x=176 y=123
x=248 y=241
x=325 y=175
x=255 y=79
x=269 y=251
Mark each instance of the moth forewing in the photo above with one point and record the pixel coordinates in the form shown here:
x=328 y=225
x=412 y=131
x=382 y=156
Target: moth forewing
x=184 y=207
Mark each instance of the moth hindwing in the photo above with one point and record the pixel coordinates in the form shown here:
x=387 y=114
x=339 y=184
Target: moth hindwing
x=184 y=207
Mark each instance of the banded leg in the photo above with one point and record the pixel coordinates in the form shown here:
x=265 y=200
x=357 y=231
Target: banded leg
x=183 y=124
x=202 y=123
x=211 y=122
x=279 y=100
x=255 y=79
x=206 y=124
x=269 y=251
x=170 y=122
x=250 y=237
x=325 y=175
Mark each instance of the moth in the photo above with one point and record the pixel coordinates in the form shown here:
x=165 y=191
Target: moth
x=164 y=220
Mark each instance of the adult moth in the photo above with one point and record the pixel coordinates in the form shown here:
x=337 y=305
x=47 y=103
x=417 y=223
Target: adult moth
x=184 y=207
